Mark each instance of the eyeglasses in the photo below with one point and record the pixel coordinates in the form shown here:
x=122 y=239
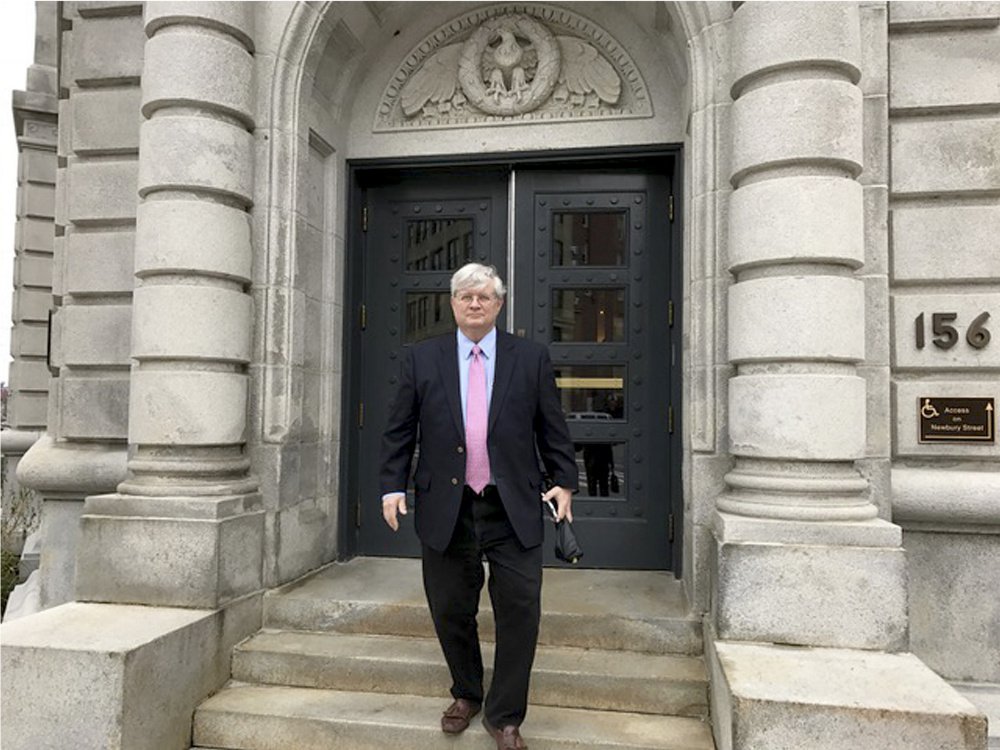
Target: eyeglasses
x=482 y=299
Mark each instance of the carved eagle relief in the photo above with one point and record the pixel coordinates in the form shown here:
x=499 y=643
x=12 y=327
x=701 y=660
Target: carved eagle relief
x=511 y=65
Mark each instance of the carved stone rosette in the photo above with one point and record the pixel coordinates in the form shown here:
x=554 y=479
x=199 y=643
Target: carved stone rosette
x=512 y=64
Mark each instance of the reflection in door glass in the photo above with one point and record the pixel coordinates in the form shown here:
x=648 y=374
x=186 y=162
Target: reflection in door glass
x=427 y=314
x=438 y=244
x=588 y=239
x=591 y=315
x=601 y=469
x=591 y=392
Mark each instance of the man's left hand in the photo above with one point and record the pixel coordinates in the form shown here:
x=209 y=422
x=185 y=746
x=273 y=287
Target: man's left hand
x=563 y=498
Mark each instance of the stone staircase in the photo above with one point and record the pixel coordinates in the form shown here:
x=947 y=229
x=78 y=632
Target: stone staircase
x=347 y=661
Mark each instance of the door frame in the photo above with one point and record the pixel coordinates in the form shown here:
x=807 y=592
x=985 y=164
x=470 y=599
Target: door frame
x=664 y=158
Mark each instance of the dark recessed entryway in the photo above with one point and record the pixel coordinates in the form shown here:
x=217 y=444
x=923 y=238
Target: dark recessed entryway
x=589 y=252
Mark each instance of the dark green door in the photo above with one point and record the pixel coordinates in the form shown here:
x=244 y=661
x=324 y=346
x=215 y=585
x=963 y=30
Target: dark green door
x=590 y=274
x=593 y=251
x=420 y=229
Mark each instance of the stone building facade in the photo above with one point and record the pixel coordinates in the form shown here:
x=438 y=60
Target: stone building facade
x=809 y=201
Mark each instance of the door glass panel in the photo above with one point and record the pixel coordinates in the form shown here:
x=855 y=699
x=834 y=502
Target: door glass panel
x=592 y=238
x=601 y=469
x=590 y=392
x=438 y=244
x=591 y=315
x=427 y=314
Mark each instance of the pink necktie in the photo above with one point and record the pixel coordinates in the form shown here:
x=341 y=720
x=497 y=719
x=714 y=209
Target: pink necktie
x=477 y=459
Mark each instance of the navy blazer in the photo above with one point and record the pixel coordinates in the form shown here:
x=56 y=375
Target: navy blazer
x=525 y=421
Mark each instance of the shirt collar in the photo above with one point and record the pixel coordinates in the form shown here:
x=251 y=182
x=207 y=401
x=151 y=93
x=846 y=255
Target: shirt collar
x=488 y=344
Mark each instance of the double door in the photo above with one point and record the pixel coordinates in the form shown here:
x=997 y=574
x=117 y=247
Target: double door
x=587 y=257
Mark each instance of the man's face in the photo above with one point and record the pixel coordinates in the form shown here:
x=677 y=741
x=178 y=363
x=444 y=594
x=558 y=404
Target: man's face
x=476 y=310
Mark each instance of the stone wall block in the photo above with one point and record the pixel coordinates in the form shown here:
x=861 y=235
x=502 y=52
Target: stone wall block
x=37 y=200
x=945 y=69
x=36 y=234
x=31 y=270
x=235 y=19
x=877 y=337
x=181 y=236
x=828 y=314
x=96 y=334
x=29 y=374
x=196 y=153
x=940 y=156
x=187 y=408
x=191 y=322
x=31 y=304
x=94 y=408
x=876 y=209
x=99 y=263
x=106 y=50
x=303 y=544
x=37 y=166
x=949 y=13
x=767 y=592
x=907 y=397
x=879 y=413
x=803 y=219
x=28 y=341
x=809 y=120
x=142 y=559
x=949 y=244
x=954 y=607
x=808 y=417
x=102 y=191
x=106 y=121
x=195 y=69
x=876 y=135
x=967 y=307
x=791 y=35
x=30 y=410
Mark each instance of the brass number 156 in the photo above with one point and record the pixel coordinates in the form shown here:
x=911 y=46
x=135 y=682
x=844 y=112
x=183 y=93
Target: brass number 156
x=945 y=335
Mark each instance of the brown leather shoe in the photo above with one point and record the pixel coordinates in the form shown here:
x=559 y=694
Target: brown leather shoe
x=508 y=738
x=457 y=716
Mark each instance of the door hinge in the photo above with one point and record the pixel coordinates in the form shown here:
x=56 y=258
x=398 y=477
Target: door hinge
x=357 y=516
x=670 y=527
x=364 y=317
x=670 y=419
x=670 y=208
x=361 y=415
x=364 y=218
x=670 y=313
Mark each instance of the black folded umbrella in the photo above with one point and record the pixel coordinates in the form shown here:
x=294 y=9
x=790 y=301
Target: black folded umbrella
x=567 y=548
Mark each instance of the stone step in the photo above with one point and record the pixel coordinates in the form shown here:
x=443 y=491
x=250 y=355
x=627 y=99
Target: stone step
x=767 y=695
x=606 y=609
x=255 y=717
x=562 y=676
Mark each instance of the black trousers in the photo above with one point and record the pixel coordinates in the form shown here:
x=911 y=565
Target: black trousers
x=453 y=580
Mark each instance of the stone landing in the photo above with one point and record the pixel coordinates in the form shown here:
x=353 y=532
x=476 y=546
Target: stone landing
x=347 y=659
x=791 y=698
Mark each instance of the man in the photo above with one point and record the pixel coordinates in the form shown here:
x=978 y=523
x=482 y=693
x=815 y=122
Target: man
x=485 y=406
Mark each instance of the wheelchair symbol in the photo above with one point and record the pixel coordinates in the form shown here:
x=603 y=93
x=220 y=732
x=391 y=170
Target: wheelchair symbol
x=927 y=411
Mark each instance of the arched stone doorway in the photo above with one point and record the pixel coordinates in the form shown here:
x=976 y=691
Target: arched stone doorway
x=331 y=74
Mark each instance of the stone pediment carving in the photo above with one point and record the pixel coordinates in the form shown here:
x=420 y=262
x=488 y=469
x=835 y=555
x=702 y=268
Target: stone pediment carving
x=507 y=64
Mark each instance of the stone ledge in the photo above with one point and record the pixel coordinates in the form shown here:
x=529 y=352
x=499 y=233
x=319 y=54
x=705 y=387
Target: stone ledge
x=825 y=699
x=87 y=674
x=871 y=533
x=946 y=498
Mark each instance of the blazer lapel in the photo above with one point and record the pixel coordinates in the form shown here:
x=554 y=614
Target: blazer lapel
x=506 y=360
x=448 y=367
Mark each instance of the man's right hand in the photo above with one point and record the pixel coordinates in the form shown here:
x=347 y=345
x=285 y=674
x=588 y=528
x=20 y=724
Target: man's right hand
x=391 y=505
